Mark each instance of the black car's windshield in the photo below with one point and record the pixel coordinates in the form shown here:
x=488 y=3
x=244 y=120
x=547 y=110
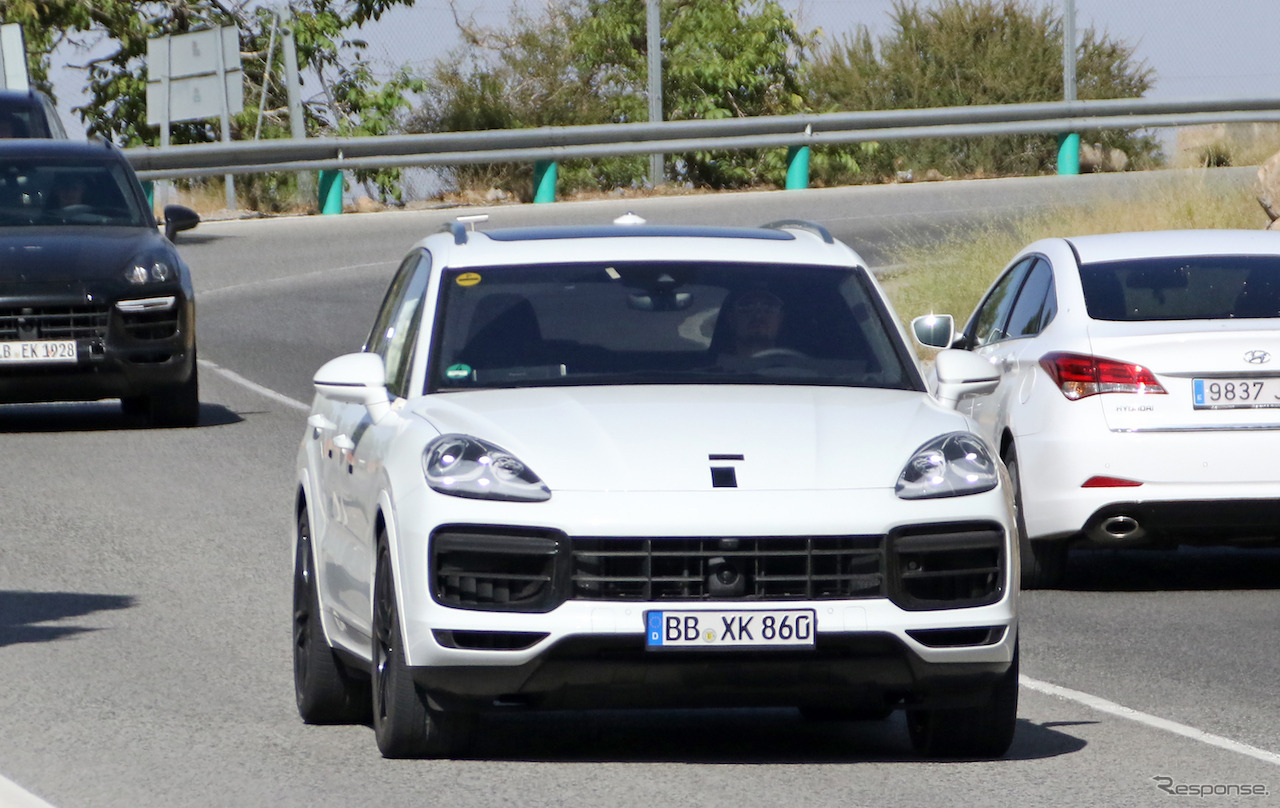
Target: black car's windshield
x=664 y=323
x=48 y=193
x=1188 y=288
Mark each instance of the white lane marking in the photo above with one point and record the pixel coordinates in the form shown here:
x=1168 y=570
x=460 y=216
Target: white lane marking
x=288 y=279
x=1120 y=711
x=255 y=387
x=13 y=795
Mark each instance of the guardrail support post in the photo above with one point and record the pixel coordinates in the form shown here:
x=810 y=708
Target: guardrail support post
x=330 y=192
x=797 y=168
x=544 y=181
x=1068 y=154
x=149 y=188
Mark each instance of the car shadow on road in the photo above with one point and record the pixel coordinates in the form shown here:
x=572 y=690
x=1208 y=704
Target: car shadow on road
x=720 y=737
x=1186 y=569
x=92 y=416
x=24 y=615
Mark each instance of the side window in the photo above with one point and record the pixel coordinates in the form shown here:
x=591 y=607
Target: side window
x=396 y=327
x=1036 y=303
x=988 y=324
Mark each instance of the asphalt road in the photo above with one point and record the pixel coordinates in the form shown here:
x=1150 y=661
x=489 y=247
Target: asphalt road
x=145 y=593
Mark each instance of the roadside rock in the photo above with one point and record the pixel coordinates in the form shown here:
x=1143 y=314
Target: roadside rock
x=1269 y=188
x=1094 y=158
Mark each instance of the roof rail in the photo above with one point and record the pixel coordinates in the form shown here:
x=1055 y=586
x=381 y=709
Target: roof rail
x=801 y=224
x=459 y=226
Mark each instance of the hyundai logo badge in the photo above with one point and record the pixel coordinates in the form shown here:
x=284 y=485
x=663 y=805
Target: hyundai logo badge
x=1257 y=357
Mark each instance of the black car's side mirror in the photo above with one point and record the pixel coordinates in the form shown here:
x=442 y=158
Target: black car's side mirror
x=178 y=218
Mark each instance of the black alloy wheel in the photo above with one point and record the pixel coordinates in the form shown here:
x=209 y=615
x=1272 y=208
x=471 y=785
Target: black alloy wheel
x=325 y=691
x=983 y=731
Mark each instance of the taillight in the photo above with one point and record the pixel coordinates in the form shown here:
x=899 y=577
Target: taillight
x=1079 y=376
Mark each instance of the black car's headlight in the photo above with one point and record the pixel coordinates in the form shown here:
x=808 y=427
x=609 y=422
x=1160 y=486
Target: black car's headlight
x=150 y=269
x=950 y=465
x=464 y=466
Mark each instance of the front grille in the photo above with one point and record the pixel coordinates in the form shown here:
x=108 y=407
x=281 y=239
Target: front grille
x=150 y=324
x=774 y=568
x=946 y=568
x=86 y=321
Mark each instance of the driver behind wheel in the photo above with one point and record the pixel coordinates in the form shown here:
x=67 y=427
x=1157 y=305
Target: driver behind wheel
x=757 y=318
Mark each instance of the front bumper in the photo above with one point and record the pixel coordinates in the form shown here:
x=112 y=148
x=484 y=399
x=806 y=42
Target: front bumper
x=123 y=348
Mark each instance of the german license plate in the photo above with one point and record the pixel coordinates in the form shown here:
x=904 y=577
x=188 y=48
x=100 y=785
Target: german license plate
x=47 y=350
x=790 y=628
x=1231 y=394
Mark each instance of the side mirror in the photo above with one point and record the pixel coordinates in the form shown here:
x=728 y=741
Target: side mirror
x=962 y=374
x=934 y=330
x=357 y=378
x=178 y=218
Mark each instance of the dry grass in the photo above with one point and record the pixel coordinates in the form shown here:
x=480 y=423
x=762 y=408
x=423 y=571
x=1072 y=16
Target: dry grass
x=950 y=277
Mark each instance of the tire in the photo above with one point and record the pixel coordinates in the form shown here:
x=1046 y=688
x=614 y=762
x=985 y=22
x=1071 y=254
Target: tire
x=404 y=723
x=326 y=692
x=1044 y=562
x=983 y=731
x=177 y=405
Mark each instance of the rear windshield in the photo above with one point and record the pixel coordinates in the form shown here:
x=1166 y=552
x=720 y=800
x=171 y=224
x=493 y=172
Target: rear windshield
x=1199 y=288
x=51 y=193
x=665 y=323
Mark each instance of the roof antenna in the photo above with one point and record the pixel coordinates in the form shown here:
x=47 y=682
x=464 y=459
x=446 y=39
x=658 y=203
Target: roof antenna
x=629 y=218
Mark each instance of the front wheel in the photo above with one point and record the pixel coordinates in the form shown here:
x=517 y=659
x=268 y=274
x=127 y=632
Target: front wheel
x=405 y=724
x=983 y=731
x=178 y=404
x=1044 y=562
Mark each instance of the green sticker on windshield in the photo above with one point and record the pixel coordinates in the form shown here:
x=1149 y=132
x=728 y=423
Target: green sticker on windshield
x=458 y=372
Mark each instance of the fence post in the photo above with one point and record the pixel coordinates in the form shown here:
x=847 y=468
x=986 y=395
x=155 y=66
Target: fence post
x=797 y=168
x=149 y=188
x=331 y=192
x=544 y=181
x=1068 y=154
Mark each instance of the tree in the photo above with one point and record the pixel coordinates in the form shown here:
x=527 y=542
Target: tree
x=585 y=62
x=970 y=52
x=114 y=34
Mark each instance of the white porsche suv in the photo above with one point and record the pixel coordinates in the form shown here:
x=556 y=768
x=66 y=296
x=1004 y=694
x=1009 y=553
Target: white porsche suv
x=649 y=466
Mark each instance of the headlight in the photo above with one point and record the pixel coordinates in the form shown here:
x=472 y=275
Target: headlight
x=149 y=271
x=464 y=466
x=948 y=466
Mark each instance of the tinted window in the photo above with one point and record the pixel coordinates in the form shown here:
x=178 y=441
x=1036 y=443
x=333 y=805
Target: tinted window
x=1199 y=288
x=989 y=320
x=65 y=192
x=1036 y=303
x=694 y=323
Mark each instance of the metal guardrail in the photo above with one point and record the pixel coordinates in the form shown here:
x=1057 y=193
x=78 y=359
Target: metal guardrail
x=603 y=140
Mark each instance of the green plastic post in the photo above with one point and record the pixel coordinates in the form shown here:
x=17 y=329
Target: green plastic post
x=331 y=192
x=1068 y=154
x=797 y=168
x=544 y=181
x=149 y=188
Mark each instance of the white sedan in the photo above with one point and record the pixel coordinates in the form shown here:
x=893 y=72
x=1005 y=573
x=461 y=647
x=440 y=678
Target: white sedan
x=1140 y=383
x=648 y=466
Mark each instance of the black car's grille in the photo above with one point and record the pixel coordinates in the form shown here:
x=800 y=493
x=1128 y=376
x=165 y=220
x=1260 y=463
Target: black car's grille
x=85 y=321
x=782 y=568
x=531 y=570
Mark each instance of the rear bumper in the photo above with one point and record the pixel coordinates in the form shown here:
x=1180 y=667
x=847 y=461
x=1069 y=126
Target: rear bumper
x=1194 y=522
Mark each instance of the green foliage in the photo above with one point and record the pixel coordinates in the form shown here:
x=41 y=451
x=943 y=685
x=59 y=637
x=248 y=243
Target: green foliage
x=585 y=62
x=349 y=101
x=970 y=52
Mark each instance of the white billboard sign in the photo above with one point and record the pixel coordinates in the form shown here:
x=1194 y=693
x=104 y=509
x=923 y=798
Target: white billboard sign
x=194 y=76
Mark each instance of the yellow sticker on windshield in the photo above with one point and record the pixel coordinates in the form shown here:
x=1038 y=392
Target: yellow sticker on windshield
x=469 y=279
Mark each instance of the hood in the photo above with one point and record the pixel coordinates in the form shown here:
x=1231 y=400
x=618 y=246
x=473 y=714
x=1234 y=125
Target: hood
x=62 y=254
x=670 y=438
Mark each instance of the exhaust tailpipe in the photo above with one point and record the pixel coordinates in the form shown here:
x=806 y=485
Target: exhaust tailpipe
x=1121 y=527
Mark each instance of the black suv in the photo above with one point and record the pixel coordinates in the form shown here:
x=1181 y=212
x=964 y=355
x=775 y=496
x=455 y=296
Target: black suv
x=94 y=302
x=29 y=113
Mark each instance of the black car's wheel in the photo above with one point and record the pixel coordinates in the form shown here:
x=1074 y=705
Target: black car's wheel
x=179 y=404
x=405 y=723
x=326 y=692
x=983 y=731
x=1044 y=562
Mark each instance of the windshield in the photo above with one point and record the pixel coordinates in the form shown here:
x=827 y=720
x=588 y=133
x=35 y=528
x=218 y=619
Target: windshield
x=664 y=323
x=62 y=193
x=1198 y=288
